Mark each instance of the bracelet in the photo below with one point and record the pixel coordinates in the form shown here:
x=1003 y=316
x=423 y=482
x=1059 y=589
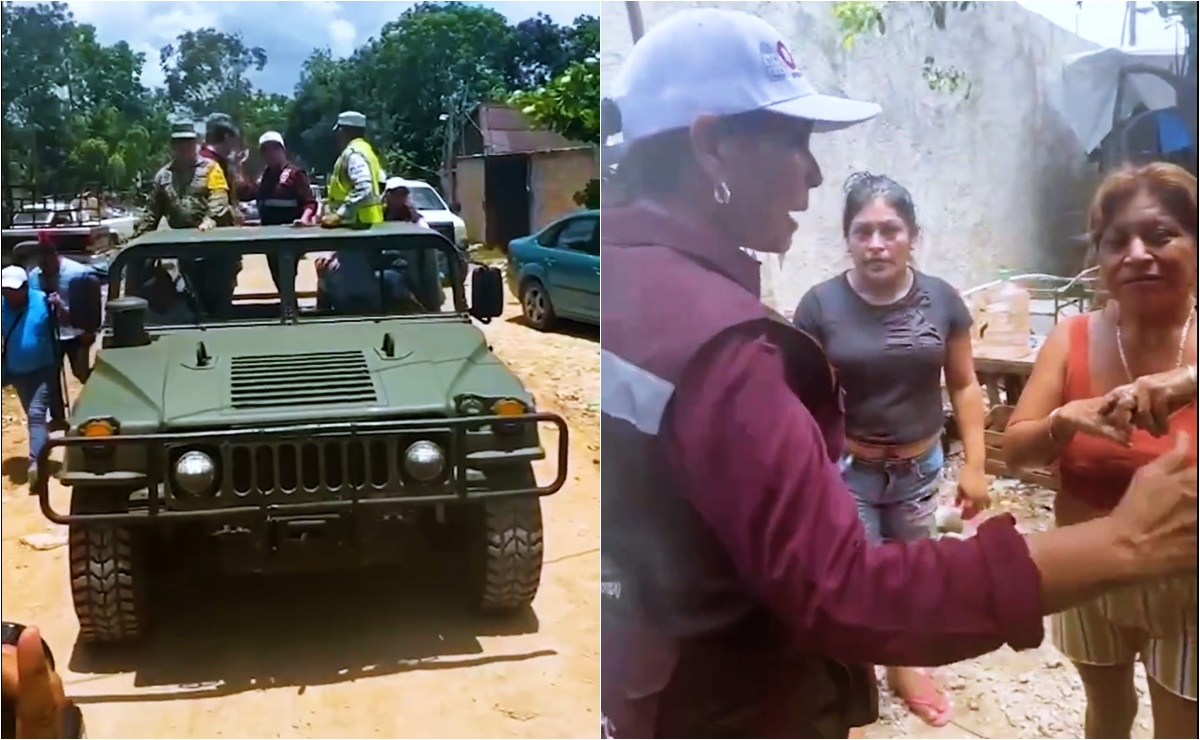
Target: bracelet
x=1050 y=425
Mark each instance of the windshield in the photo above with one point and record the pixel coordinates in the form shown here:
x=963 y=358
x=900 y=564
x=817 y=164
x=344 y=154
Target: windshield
x=425 y=198
x=185 y=289
x=32 y=218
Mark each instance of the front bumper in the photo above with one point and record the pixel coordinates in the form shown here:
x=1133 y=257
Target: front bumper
x=255 y=479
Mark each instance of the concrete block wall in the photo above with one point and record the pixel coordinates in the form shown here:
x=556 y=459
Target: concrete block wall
x=555 y=178
x=998 y=179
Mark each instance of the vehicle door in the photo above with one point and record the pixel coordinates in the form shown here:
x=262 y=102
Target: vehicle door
x=573 y=267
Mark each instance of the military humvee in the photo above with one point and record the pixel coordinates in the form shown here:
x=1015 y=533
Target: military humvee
x=310 y=425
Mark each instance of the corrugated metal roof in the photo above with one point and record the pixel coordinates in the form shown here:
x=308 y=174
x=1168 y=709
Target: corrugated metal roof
x=507 y=130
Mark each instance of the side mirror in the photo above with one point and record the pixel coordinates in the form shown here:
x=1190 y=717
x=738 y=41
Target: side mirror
x=487 y=294
x=456 y=207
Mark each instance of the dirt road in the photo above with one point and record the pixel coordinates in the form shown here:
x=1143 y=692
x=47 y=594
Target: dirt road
x=373 y=655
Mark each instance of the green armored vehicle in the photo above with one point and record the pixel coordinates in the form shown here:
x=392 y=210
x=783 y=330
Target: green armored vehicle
x=281 y=398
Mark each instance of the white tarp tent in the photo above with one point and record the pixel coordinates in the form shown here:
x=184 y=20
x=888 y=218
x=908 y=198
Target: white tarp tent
x=1084 y=90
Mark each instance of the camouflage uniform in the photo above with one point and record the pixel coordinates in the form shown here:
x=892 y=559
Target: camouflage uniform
x=192 y=195
x=187 y=194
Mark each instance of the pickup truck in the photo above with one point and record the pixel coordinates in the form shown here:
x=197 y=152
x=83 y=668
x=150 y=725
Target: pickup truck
x=79 y=234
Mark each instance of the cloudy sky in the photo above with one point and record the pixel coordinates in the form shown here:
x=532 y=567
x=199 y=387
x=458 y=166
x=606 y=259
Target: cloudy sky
x=288 y=31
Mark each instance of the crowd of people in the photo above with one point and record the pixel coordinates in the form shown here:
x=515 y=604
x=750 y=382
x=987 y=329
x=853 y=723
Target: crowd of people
x=769 y=488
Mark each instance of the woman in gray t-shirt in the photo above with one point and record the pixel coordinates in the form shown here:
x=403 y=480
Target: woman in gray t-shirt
x=890 y=330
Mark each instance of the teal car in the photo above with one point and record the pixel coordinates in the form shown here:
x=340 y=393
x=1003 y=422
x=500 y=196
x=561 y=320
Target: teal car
x=555 y=273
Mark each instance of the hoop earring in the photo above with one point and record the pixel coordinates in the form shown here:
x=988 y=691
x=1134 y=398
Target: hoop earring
x=721 y=193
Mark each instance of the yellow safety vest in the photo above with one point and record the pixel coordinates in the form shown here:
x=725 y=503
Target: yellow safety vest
x=340 y=186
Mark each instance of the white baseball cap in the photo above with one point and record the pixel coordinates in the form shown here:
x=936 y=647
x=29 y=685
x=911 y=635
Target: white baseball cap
x=719 y=62
x=393 y=183
x=271 y=137
x=13 y=277
x=351 y=118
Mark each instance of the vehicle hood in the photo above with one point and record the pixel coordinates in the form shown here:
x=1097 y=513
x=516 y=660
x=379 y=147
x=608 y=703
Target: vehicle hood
x=298 y=373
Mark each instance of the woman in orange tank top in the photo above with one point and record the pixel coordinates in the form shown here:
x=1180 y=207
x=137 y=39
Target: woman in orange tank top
x=1108 y=393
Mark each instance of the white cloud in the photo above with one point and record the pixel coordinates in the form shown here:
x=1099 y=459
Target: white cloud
x=342 y=35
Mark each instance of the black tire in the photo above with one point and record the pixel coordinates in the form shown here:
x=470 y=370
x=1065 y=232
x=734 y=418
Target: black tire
x=536 y=306
x=108 y=576
x=509 y=562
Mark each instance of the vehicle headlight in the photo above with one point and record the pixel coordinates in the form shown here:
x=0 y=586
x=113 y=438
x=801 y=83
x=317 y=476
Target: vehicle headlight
x=424 y=461
x=471 y=406
x=195 y=473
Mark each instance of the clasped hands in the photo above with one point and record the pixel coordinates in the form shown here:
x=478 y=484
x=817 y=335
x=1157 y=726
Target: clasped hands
x=1147 y=403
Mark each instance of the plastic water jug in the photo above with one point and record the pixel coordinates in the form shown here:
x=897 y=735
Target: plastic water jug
x=1004 y=327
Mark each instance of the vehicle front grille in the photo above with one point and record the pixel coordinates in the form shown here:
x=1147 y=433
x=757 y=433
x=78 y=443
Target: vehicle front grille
x=342 y=467
x=446 y=230
x=315 y=379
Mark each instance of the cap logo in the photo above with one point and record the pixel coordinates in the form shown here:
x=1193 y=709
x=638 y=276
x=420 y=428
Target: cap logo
x=785 y=55
x=778 y=61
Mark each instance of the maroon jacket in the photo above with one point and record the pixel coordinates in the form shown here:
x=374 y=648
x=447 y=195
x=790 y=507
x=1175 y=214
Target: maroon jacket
x=283 y=195
x=736 y=572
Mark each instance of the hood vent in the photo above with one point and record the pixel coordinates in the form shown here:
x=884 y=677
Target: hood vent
x=291 y=381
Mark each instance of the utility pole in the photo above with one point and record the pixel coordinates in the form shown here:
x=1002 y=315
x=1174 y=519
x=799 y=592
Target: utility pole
x=1131 y=9
x=637 y=26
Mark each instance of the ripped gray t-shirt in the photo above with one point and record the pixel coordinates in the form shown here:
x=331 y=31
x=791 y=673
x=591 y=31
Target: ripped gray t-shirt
x=889 y=359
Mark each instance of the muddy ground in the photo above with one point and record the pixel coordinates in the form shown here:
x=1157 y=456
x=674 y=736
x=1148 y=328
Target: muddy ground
x=378 y=654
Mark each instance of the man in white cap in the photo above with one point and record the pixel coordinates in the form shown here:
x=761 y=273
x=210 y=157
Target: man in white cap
x=30 y=364
x=740 y=595
x=282 y=191
x=354 y=192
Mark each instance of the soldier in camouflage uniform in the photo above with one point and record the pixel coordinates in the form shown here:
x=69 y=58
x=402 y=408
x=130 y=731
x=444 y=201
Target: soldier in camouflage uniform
x=192 y=192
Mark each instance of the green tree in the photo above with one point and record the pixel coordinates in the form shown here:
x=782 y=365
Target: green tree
x=429 y=67
x=569 y=104
x=75 y=110
x=205 y=71
x=32 y=89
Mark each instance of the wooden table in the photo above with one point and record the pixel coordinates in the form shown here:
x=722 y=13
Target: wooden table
x=1003 y=378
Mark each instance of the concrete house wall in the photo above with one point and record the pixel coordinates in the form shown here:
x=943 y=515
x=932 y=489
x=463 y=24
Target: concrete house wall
x=554 y=178
x=468 y=183
x=998 y=179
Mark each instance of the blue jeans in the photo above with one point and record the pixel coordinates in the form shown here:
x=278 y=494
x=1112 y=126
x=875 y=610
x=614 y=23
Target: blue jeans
x=36 y=389
x=897 y=499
